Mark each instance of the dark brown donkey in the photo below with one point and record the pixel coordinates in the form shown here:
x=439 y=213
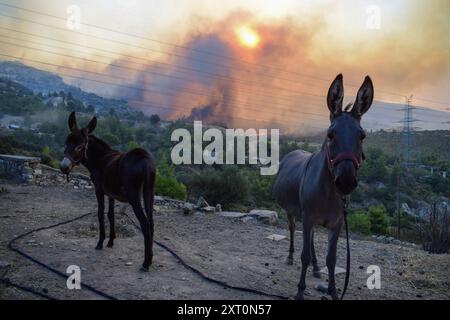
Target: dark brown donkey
x=313 y=186
x=119 y=176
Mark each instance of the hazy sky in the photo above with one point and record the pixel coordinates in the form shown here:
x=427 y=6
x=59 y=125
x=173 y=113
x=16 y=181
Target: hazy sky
x=403 y=45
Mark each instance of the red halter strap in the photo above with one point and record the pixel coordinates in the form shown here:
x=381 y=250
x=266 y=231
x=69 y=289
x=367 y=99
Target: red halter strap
x=341 y=157
x=85 y=149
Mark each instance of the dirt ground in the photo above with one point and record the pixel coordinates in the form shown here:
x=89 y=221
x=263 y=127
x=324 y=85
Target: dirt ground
x=225 y=249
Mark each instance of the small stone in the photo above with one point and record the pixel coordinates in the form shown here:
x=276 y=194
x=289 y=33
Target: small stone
x=337 y=270
x=322 y=287
x=232 y=214
x=276 y=237
x=129 y=263
x=418 y=295
x=361 y=267
x=422 y=271
x=247 y=219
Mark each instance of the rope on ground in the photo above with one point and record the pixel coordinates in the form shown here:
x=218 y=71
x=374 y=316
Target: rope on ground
x=46 y=266
x=207 y=278
x=103 y=294
x=27 y=289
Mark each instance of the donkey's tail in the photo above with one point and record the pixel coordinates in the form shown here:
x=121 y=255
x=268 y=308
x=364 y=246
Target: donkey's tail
x=148 y=189
x=347 y=268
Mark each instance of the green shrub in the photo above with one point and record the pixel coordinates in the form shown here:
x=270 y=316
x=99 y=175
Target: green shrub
x=166 y=184
x=170 y=187
x=46 y=157
x=359 y=222
x=227 y=187
x=378 y=219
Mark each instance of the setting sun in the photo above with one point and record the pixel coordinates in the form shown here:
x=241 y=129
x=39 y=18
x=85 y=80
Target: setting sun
x=248 y=37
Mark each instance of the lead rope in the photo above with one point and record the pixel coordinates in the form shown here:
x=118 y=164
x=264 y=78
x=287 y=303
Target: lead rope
x=347 y=268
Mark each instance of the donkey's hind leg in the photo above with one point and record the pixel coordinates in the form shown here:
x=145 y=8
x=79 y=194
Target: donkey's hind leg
x=101 y=217
x=112 y=230
x=291 y=225
x=316 y=269
x=134 y=198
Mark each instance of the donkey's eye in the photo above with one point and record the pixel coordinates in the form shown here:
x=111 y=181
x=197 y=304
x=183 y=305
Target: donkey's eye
x=78 y=148
x=330 y=134
x=363 y=135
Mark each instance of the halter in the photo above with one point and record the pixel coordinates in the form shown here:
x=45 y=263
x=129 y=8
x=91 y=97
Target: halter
x=85 y=149
x=341 y=156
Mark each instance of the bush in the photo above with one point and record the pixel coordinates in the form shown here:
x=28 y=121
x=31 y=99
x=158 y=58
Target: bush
x=374 y=168
x=359 y=222
x=166 y=183
x=46 y=157
x=378 y=219
x=227 y=187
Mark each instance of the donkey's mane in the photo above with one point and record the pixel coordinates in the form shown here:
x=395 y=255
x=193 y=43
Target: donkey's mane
x=100 y=142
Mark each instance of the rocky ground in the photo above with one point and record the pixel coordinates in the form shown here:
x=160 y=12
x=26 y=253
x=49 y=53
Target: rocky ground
x=234 y=249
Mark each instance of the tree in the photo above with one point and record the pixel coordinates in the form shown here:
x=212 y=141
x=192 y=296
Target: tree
x=154 y=119
x=374 y=167
x=359 y=222
x=378 y=219
x=167 y=184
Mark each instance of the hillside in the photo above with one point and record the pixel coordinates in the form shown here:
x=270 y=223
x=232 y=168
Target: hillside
x=46 y=82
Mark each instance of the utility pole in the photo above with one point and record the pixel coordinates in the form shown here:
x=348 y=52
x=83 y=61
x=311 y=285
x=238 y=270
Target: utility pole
x=407 y=132
x=405 y=150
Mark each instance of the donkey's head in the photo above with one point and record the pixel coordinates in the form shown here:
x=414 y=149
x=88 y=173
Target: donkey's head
x=344 y=145
x=76 y=144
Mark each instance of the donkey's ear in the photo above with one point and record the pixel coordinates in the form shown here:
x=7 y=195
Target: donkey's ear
x=91 y=125
x=336 y=96
x=364 y=98
x=72 y=121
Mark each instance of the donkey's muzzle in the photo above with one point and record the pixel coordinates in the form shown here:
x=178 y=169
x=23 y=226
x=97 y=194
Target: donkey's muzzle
x=345 y=179
x=65 y=165
x=346 y=186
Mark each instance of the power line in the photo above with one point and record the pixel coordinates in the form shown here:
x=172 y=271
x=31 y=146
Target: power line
x=168 y=91
x=145 y=48
x=239 y=80
x=189 y=48
x=175 y=108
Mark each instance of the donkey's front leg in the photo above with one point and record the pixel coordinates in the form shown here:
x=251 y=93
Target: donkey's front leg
x=112 y=230
x=333 y=236
x=306 y=259
x=101 y=217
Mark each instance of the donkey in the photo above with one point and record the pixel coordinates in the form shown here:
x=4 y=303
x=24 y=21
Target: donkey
x=119 y=176
x=313 y=187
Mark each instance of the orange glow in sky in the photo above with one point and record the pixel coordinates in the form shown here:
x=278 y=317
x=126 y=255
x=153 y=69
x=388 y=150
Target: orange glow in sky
x=248 y=37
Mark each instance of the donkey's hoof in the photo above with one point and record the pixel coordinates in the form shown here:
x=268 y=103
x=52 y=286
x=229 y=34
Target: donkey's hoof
x=333 y=294
x=110 y=244
x=143 y=268
x=316 y=274
x=299 y=296
x=99 y=247
x=289 y=261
